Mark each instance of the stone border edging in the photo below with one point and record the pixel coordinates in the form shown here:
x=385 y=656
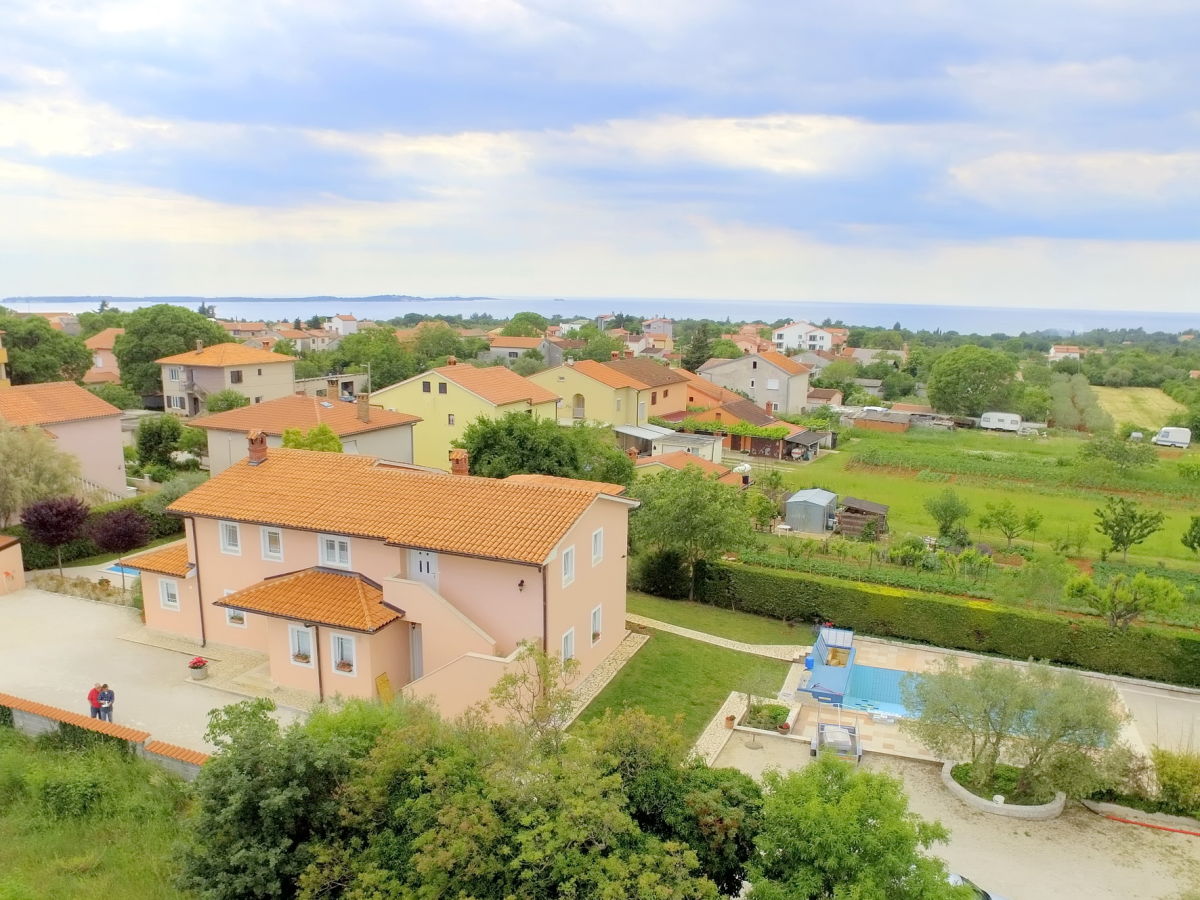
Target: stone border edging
x=1045 y=811
x=1103 y=808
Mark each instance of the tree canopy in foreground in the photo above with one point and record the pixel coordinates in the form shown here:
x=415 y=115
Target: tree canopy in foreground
x=519 y=443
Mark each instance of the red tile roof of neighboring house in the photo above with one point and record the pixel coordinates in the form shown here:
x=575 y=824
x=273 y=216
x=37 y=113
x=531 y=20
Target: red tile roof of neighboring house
x=323 y=596
x=602 y=373
x=517 y=343
x=496 y=384
x=293 y=334
x=344 y=317
x=681 y=459
x=303 y=412
x=225 y=355
x=827 y=394
x=243 y=326
x=104 y=340
x=574 y=484
x=169 y=560
x=77 y=719
x=51 y=403
x=787 y=364
x=108 y=376
x=646 y=371
x=912 y=408
x=353 y=495
x=174 y=751
x=1195 y=373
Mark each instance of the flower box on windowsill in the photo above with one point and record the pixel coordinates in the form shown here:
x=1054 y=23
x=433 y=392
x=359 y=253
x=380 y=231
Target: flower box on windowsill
x=344 y=666
x=595 y=636
x=237 y=620
x=301 y=657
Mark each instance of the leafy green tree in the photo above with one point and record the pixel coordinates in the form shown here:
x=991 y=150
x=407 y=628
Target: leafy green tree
x=517 y=443
x=1006 y=519
x=379 y=349
x=37 y=353
x=525 y=324
x=699 y=349
x=1122 y=454
x=949 y=511
x=172 y=490
x=1125 y=523
x=436 y=340
x=193 y=440
x=528 y=365
x=834 y=831
x=600 y=348
x=897 y=385
x=319 y=437
x=286 y=346
x=536 y=693
x=1122 y=599
x=157 y=437
x=153 y=332
x=691 y=514
x=1061 y=730
x=117 y=394
x=723 y=348
x=1039 y=582
x=225 y=400
x=762 y=510
x=970 y=380
x=1191 y=535
x=55 y=521
x=838 y=375
x=44 y=470
x=91 y=323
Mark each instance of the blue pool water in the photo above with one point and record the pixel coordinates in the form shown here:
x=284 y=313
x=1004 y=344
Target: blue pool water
x=872 y=689
x=118 y=569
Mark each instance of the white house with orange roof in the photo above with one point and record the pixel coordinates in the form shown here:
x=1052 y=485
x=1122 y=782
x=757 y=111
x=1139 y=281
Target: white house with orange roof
x=1065 y=351
x=81 y=425
x=188 y=378
x=801 y=336
x=342 y=325
x=376 y=578
x=450 y=398
x=362 y=428
x=771 y=380
x=104 y=368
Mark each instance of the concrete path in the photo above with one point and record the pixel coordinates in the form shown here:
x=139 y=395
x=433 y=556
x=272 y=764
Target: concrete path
x=53 y=648
x=786 y=652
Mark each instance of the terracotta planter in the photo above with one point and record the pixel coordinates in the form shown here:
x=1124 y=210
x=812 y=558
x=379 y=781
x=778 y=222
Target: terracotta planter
x=729 y=720
x=783 y=727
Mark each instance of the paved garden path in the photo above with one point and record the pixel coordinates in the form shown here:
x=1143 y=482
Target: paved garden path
x=786 y=652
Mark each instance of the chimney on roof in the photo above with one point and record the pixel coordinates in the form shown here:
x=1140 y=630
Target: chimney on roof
x=632 y=453
x=452 y=360
x=364 y=407
x=199 y=345
x=629 y=354
x=460 y=462
x=258 y=448
x=616 y=354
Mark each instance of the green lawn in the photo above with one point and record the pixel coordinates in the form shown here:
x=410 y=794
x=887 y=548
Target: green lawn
x=110 y=557
x=726 y=623
x=675 y=676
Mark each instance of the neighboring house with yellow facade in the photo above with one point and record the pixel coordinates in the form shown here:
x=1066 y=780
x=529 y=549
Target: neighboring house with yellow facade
x=448 y=399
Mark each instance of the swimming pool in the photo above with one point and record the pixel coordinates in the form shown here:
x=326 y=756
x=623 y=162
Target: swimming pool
x=118 y=569
x=872 y=689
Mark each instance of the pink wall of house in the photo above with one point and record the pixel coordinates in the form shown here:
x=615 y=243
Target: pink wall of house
x=96 y=443
x=446 y=633
x=461 y=684
x=12 y=567
x=184 y=621
x=602 y=584
x=375 y=654
x=487 y=592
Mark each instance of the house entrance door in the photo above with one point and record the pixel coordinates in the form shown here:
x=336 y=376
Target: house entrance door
x=415 y=652
x=423 y=566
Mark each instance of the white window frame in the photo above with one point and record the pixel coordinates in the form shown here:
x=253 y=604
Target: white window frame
x=174 y=373
x=294 y=647
x=597 y=546
x=597 y=624
x=234 y=549
x=177 y=402
x=163 y=584
x=334 y=638
x=264 y=534
x=568 y=566
x=234 y=612
x=568 y=641
x=334 y=563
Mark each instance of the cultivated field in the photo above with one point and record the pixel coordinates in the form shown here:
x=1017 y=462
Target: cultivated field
x=1145 y=406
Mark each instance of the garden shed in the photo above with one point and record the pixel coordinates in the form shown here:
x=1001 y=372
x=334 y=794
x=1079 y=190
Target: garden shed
x=854 y=515
x=810 y=511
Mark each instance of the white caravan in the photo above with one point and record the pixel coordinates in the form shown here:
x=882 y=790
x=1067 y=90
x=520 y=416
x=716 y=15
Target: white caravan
x=1173 y=437
x=1000 y=421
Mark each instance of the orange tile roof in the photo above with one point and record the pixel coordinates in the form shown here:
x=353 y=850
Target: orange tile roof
x=681 y=459
x=81 y=721
x=496 y=384
x=354 y=495
x=174 y=751
x=646 y=371
x=104 y=340
x=292 y=334
x=574 y=484
x=344 y=317
x=244 y=326
x=92 y=376
x=517 y=343
x=169 y=560
x=225 y=355
x=300 y=411
x=606 y=376
x=51 y=403
x=778 y=359
x=340 y=599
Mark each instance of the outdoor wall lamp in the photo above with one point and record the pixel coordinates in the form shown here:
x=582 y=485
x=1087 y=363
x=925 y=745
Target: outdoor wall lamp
x=521 y=585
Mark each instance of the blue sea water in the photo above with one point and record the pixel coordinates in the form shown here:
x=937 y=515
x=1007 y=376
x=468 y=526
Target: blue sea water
x=963 y=319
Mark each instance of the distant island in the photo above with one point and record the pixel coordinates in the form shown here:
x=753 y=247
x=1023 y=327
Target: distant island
x=114 y=300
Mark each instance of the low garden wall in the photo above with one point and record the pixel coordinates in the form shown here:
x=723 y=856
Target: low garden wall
x=1184 y=824
x=1154 y=652
x=1041 y=813
x=35 y=719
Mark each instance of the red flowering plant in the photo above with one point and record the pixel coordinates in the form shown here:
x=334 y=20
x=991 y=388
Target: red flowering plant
x=198 y=662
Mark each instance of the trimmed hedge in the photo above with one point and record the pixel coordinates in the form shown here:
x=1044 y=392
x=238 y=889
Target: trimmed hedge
x=1145 y=651
x=39 y=556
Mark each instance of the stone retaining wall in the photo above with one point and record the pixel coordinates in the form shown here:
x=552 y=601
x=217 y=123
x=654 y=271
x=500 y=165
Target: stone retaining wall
x=1051 y=810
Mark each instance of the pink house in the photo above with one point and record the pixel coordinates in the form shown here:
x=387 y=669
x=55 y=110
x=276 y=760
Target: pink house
x=104 y=368
x=357 y=577
x=80 y=423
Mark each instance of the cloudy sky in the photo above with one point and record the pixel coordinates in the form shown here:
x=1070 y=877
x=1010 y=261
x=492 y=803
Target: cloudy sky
x=915 y=151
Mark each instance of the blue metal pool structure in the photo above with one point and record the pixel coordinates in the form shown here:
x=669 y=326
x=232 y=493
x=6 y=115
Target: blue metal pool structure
x=836 y=678
x=118 y=569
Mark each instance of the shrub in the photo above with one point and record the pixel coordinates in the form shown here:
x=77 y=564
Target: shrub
x=661 y=573
x=158 y=473
x=1147 y=651
x=1178 y=780
x=766 y=715
x=70 y=795
x=119 y=531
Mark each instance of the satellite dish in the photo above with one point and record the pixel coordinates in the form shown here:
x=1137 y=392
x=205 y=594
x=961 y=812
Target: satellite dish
x=743 y=469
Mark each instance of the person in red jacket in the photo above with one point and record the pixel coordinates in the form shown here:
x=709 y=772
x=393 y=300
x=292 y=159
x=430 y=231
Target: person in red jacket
x=94 y=700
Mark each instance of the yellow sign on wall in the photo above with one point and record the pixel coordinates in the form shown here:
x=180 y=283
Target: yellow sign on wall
x=383 y=685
